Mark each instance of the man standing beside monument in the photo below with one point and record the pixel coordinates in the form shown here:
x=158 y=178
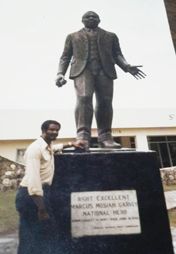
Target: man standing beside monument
x=33 y=199
x=93 y=52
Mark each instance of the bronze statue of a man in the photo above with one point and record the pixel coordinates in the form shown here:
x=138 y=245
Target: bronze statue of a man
x=93 y=52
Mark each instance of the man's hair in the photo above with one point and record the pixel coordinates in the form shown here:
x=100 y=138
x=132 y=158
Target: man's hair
x=45 y=125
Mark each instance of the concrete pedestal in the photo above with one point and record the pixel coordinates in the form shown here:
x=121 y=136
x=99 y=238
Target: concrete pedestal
x=119 y=195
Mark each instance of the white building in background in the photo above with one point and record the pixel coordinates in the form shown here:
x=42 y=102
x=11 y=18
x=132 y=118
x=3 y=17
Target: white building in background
x=144 y=110
x=142 y=129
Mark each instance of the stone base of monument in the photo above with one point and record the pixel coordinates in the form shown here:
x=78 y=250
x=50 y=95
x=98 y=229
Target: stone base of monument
x=110 y=202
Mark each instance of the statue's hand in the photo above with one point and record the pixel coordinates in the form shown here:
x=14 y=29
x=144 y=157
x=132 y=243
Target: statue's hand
x=60 y=80
x=136 y=72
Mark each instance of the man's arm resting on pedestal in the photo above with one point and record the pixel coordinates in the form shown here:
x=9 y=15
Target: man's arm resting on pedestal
x=77 y=144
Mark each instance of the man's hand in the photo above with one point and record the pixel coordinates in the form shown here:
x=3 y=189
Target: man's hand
x=136 y=72
x=79 y=145
x=42 y=214
x=60 y=80
x=82 y=144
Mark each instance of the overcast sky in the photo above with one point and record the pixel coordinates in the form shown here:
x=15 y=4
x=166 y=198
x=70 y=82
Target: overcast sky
x=32 y=39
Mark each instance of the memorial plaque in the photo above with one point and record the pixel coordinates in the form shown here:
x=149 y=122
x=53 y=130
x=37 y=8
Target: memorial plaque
x=104 y=213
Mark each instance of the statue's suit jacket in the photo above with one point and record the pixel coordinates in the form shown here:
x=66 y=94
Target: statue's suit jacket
x=76 y=50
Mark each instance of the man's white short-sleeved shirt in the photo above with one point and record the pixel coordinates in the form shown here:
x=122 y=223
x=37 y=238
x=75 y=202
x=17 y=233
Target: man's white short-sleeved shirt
x=39 y=166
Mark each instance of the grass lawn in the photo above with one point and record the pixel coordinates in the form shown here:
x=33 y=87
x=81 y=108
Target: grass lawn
x=169 y=187
x=172 y=217
x=8 y=214
x=171 y=213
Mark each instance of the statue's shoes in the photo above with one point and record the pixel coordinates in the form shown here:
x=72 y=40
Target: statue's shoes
x=109 y=144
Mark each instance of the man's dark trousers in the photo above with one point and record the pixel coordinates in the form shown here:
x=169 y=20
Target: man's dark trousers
x=35 y=237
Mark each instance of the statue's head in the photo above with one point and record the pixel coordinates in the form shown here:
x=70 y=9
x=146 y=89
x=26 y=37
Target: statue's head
x=90 y=19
